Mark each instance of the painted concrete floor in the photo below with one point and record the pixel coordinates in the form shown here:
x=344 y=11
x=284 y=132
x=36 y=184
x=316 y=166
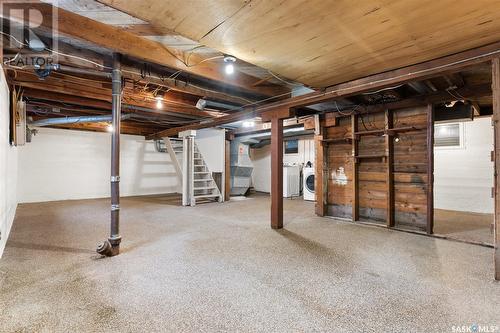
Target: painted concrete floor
x=220 y=268
x=467 y=226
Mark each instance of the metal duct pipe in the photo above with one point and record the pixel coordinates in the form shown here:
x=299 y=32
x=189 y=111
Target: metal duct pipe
x=75 y=120
x=111 y=247
x=203 y=103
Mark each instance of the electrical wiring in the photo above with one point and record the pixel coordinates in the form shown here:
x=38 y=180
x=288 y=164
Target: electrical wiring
x=336 y=91
x=344 y=114
x=285 y=81
x=173 y=76
x=383 y=89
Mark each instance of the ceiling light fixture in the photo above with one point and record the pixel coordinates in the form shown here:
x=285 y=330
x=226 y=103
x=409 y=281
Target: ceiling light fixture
x=159 y=102
x=201 y=104
x=248 y=123
x=229 y=61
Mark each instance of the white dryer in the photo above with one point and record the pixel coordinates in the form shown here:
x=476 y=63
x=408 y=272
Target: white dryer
x=308 y=176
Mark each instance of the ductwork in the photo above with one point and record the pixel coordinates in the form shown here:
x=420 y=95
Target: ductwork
x=75 y=120
x=203 y=103
x=241 y=167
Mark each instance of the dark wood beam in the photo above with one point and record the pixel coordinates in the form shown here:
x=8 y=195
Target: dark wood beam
x=185 y=87
x=425 y=70
x=495 y=69
x=472 y=92
x=119 y=40
x=430 y=169
x=95 y=90
x=389 y=151
x=355 y=166
x=276 y=173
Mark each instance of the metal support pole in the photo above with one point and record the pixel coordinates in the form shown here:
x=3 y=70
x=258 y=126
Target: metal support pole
x=111 y=247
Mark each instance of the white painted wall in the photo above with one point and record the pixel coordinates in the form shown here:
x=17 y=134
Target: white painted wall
x=212 y=144
x=65 y=164
x=261 y=159
x=463 y=178
x=8 y=167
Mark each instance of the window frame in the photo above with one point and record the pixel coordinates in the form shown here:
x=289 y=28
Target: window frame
x=461 y=135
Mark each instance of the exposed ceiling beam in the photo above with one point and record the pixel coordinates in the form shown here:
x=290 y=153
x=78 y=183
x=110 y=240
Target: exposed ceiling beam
x=436 y=97
x=119 y=40
x=181 y=86
x=129 y=71
x=145 y=30
x=422 y=71
x=101 y=91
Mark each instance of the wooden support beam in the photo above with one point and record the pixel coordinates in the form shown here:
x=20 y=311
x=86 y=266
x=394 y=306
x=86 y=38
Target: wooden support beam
x=79 y=88
x=430 y=169
x=422 y=71
x=321 y=174
x=281 y=113
x=276 y=173
x=119 y=40
x=496 y=123
x=355 y=161
x=389 y=151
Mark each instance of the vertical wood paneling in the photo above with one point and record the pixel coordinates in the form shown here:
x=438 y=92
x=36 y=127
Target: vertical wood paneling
x=364 y=194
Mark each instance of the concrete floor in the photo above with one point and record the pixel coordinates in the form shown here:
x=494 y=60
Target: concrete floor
x=219 y=267
x=467 y=226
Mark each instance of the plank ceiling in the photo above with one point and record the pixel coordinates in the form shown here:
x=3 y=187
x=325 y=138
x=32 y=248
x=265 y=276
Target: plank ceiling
x=166 y=36
x=320 y=42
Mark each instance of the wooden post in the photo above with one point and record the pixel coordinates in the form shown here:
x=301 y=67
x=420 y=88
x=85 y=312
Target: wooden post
x=355 y=180
x=430 y=169
x=321 y=175
x=389 y=152
x=495 y=69
x=276 y=172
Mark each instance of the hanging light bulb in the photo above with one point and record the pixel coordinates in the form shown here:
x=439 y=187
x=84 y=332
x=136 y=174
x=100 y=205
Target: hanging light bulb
x=109 y=128
x=229 y=61
x=159 y=101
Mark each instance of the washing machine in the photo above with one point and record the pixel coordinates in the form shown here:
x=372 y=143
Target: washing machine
x=308 y=189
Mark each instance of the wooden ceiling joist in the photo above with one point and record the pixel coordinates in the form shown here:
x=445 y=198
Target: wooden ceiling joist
x=101 y=91
x=422 y=71
x=119 y=40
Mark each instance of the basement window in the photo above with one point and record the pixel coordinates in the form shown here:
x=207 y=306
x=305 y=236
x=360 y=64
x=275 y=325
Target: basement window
x=449 y=135
x=292 y=147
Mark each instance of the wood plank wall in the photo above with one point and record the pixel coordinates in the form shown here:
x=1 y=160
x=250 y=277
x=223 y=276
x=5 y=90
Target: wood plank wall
x=376 y=177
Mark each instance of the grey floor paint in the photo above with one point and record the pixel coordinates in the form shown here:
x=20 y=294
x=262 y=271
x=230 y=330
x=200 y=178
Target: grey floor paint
x=220 y=268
